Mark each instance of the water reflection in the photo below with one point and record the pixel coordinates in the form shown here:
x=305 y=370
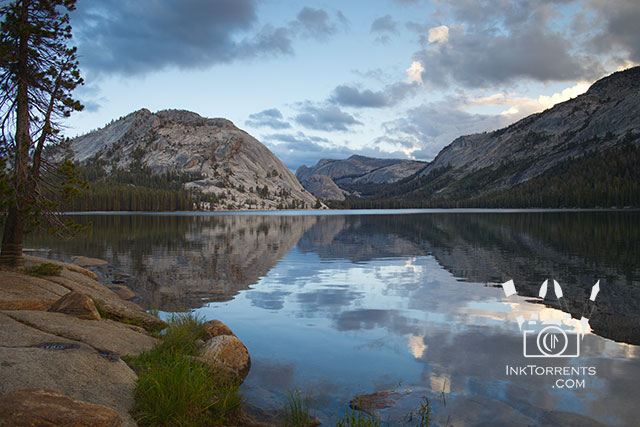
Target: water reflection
x=183 y=262
x=341 y=305
x=575 y=248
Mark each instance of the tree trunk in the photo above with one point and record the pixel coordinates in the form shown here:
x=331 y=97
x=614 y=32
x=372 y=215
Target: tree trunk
x=11 y=253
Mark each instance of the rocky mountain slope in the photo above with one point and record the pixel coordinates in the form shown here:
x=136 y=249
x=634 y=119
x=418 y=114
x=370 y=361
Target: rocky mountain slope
x=323 y=187
x=354 y=171
x=605 y=117
x=217 y=158
x=580 y=153
x=608 y=113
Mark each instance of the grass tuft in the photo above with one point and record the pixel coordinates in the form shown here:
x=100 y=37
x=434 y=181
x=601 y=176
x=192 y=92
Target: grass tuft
x=296 y=412
x=173 y=388
x=46 y=269
x=356 y=418
x=421 y=415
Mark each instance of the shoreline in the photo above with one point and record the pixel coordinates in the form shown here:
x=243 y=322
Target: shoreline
x=330 y=212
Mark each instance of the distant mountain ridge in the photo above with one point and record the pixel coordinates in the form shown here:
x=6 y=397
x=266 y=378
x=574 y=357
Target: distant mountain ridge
x=230 y=168
x=353 y=171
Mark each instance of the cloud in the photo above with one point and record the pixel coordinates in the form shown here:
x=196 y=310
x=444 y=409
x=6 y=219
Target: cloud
x=423 y=131
x=296 y=149
x=501 y=42
x=316 y=23
x=520 y=106
x=438 y=34
x=414 y=72
x=133 y=37
x=89 y=95
x=620 y=30
x=326 y=118
x=351 y=96
x=354 y=97
x=268 y=118
x=384 y=24
x=566 y=94
x=482 y=59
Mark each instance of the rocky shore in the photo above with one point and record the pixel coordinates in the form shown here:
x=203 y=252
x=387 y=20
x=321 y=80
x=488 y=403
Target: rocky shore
x=62 y=339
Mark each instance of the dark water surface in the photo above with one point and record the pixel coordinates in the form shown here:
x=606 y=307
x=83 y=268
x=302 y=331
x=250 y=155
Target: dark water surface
x=337 y=305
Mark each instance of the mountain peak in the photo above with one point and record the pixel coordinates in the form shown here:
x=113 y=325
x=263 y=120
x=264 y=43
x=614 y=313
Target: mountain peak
x=211 y=155
x=194 y=119
x=626 y=79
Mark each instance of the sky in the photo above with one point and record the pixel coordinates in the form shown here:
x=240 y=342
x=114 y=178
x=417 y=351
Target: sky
x=328 y=79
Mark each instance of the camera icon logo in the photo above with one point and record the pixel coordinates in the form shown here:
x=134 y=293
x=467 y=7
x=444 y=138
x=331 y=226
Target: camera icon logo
x=549 y=341
x=550 y=337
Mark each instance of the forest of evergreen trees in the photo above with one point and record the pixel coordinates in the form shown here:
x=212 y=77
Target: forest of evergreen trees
x=597 y=179
x=135 y=190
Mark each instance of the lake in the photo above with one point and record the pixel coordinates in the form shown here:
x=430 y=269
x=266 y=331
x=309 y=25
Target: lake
x=353 y=302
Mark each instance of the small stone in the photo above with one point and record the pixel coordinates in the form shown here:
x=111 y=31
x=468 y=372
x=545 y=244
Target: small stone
x=228 y=353
x=216 y=328
x=50 y=408
x=76 y=304
x=369 y=403
x=123 y=292
x=84 y=261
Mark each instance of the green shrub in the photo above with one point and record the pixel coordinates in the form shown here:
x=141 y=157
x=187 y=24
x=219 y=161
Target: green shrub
x=174 y=388
x=46 y=269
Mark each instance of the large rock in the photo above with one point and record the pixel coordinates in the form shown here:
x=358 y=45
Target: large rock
x=71 y=368
x=32 y=261
x=78 y=279
x=216 y=328
x=123 y=292
x=76 y=304
x=228 y=353
x=50 y=408
x=22 y=292
x=106 y=336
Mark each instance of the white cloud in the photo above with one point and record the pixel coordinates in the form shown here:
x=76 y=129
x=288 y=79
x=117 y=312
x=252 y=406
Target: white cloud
x=626 y=64
x=511 y=110
x=414 y=72
x=417 y=346
x=570 y=92
x=439 y=34
x=520 y=106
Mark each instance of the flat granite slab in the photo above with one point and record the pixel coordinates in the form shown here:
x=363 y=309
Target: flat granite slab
x=34 y=359
x=103 y=335
x=22 y=292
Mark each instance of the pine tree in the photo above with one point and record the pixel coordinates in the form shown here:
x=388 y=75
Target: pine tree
x=38 y=73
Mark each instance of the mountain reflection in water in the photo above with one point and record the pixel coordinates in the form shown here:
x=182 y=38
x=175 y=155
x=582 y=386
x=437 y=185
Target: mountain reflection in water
x=338 y=305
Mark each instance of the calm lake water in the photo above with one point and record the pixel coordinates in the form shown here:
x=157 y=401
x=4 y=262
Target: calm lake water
x=347 y=303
